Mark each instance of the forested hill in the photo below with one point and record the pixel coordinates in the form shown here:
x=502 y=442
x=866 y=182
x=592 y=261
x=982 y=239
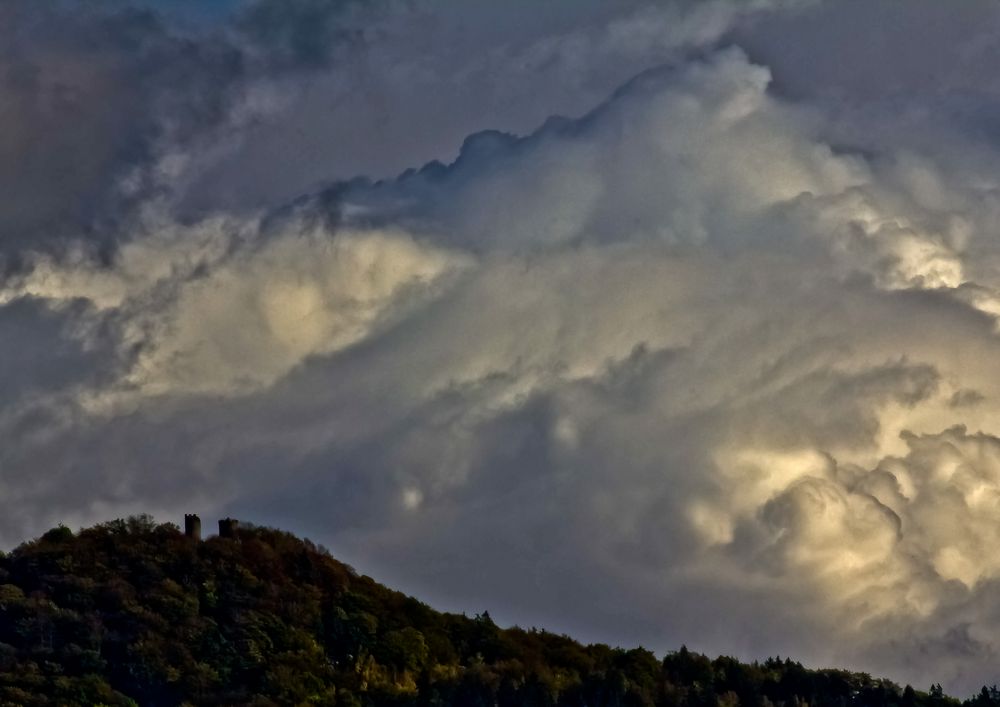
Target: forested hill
x=131 y=612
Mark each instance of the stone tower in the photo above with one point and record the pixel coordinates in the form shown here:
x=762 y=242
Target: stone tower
x=192 y=526
x=228 y=527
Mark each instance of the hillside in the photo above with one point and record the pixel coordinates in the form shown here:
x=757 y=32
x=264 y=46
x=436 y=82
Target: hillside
x=132 y=612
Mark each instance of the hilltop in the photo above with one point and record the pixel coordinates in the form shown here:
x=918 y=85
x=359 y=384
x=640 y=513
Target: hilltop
x=134 y=612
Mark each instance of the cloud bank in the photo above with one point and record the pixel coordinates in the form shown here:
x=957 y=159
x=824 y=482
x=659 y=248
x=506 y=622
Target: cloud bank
x=672 y=332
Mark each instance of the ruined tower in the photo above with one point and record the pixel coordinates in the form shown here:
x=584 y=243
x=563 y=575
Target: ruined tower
x=228 y=527
x=192 y=526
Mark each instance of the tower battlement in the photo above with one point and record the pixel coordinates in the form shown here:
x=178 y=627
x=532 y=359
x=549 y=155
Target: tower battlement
x=228 y=527
x=192 y=526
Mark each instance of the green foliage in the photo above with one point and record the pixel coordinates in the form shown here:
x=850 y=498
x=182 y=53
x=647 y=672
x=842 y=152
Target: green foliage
x=133 y=613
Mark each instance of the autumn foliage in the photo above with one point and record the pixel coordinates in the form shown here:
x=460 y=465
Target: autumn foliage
x=132 y=612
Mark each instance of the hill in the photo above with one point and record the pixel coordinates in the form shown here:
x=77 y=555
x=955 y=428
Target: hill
x=133 y=612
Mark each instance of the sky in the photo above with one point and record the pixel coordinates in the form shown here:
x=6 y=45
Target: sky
x=653 y=323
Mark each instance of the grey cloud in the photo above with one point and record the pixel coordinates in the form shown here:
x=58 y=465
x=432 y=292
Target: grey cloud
x=92 y=98
x=45 y=351
x=962 y=398
x=304 y=34
x=886 y=74
x=924 y=48
x=385 y=93
x=583 y=180
x=135 y=103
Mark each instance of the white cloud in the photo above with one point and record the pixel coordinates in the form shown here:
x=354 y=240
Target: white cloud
x=206 y=319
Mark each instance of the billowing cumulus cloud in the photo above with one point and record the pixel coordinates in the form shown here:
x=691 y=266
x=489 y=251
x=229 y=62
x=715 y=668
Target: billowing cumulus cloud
x=668 y=335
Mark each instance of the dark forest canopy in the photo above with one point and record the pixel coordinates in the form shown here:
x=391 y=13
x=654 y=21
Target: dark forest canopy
x=133 y=612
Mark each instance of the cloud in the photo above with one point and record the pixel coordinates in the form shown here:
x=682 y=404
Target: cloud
x=47 y=349
x=343 y=70
x=709 y=361
x=94 y=103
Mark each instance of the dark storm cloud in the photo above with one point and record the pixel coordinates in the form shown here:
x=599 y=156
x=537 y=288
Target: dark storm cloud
x=90 y=99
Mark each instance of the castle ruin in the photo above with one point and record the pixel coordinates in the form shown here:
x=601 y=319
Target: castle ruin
x=228 y=527
x=192 y=526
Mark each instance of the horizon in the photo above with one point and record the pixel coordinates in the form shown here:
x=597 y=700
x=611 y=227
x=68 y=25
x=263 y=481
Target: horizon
x=250 y=527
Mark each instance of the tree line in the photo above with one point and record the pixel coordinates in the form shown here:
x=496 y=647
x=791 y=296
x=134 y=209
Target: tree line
x=132 y=612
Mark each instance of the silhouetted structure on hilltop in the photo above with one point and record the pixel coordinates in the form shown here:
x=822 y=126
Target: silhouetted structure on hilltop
x=192 y=526
x=228 y=527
